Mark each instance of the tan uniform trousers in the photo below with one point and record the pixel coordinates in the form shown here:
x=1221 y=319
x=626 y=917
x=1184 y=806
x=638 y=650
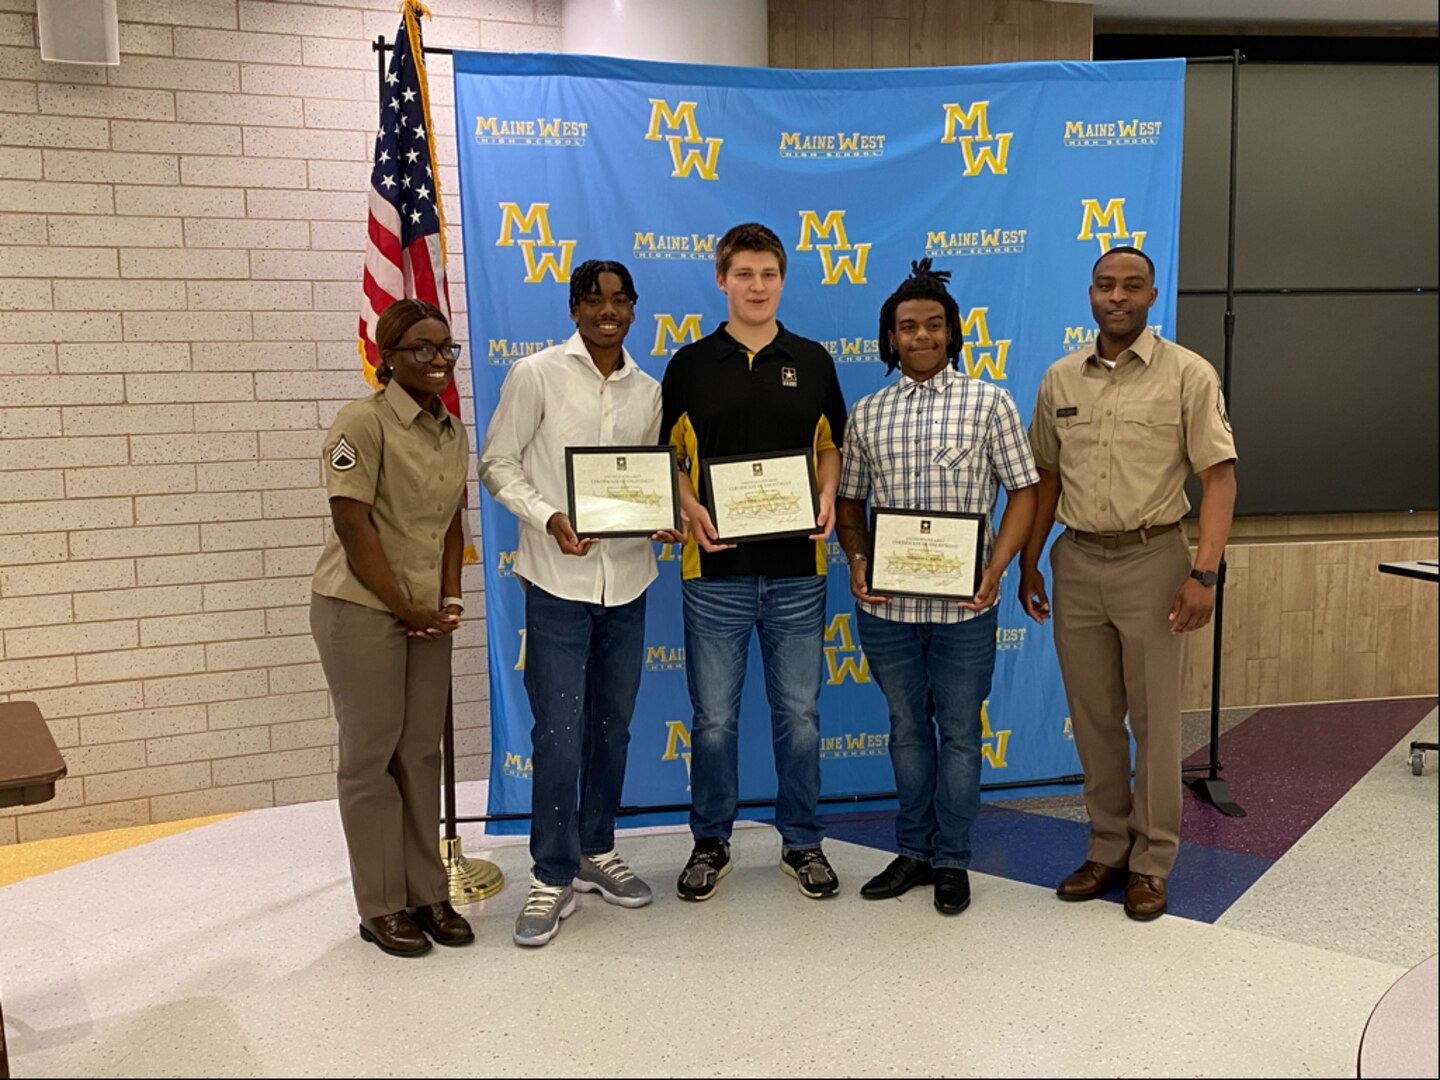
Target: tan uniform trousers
x=1117 y=654
x=389 y=692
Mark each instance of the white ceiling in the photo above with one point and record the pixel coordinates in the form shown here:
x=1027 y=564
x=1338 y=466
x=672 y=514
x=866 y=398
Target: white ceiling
x=1370 y=12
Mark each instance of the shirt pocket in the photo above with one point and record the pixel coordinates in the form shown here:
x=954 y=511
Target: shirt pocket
x=1150 y=431
x=956 y=458
x=1077 y=433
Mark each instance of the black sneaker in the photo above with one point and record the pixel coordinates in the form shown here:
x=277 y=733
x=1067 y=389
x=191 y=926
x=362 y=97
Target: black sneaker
x=810 y=868
x=709 y=862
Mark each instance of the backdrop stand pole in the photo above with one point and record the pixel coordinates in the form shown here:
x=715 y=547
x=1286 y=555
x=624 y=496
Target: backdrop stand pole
x=1211 y=788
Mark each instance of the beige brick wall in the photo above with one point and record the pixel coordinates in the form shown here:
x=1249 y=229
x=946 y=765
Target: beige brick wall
x=180 y=252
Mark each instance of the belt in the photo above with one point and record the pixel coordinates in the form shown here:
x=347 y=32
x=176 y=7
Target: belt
x=1110 y=541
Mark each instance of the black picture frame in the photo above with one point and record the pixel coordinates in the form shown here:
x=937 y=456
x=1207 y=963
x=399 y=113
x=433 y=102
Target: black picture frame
x=876 y=512
x=572 y=452
x=709 y=499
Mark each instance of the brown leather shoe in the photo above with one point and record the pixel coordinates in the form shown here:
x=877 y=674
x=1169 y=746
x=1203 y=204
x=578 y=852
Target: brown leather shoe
x=1145 y=897
x=443 y=923
x=395 y=934
x=1088 y=882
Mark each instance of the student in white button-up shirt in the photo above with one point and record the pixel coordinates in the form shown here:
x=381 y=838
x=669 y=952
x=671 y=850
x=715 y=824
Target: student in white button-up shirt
x=584 y=599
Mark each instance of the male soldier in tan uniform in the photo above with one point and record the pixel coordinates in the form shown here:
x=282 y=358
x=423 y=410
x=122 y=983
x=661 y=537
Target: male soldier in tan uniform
x=1117 y=428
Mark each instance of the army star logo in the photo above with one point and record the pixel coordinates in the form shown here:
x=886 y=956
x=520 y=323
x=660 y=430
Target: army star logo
x=343 y=457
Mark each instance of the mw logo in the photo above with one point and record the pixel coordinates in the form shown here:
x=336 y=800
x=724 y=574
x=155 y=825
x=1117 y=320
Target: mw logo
x=984 y=357
x=993 y=744
x=1112 y=217
x=544 y=255
x=980 y=149
x=844 y=660
x=521 y=768
x=832 y=227
x=670 y=334
x=689 y=150
x=677 y=746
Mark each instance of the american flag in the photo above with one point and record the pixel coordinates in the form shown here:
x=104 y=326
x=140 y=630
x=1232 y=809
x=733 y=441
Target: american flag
x=405 y=256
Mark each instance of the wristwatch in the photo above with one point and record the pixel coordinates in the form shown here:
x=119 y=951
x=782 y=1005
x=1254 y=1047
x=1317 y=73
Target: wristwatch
x=859 y=557
x=1208 y=578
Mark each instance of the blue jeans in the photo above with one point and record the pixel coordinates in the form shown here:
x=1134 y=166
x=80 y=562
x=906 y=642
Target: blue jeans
x=934 y=675
x=720 y=614
x=582 y=671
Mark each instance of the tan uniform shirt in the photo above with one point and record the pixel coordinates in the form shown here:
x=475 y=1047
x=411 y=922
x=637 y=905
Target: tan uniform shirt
x=1123 y=441
x=409 y=468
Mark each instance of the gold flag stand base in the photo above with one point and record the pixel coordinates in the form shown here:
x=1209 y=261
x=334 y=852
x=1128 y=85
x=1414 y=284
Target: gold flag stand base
x=470 y=880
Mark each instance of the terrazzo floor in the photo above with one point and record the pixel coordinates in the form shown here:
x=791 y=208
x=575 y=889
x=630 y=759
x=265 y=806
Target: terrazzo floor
x=230 y=949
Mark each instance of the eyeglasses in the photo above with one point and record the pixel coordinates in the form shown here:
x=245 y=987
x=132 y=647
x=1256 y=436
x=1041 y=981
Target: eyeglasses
x=426 y=353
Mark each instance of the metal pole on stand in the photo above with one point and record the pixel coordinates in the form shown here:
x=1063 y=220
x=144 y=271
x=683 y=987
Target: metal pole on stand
x=1210 y=787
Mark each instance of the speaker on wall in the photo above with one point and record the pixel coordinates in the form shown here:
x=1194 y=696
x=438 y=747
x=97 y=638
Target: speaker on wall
x=79 y=31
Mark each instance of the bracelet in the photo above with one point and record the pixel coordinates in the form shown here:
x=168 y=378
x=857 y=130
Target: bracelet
x=452 y=601
x=860 y=557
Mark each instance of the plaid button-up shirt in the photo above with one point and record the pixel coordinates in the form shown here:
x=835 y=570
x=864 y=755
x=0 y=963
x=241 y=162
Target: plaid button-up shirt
x=945 y=444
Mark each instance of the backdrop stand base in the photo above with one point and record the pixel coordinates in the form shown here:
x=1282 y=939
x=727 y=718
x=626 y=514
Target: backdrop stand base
x=1216 y=792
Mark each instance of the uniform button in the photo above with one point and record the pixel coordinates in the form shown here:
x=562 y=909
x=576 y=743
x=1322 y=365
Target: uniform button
x=1102 y=476
x=1109 y=411
x=1104 y=442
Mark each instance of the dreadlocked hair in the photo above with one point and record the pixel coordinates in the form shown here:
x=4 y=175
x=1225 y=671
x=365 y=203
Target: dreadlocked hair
x=923 y=283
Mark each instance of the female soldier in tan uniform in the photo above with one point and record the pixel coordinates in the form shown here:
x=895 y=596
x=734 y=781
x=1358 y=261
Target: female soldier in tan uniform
x=386 y=599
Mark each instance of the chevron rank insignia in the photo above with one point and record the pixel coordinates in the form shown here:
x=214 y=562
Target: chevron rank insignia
x=343 y=457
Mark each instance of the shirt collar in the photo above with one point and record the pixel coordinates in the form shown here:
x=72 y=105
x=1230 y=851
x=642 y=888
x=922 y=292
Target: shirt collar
x=730 y=346
x=938 y=383
x=1143 y=347
x=406 y=408
x=575 y=346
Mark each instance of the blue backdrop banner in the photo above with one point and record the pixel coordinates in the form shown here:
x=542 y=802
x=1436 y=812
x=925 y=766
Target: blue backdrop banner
x=1013 y=177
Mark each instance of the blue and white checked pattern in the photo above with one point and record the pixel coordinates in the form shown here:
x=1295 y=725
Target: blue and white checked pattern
x=945 y=444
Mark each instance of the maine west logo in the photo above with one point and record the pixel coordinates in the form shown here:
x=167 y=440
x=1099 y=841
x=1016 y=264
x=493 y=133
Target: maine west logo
x=664 y=658
x=852 y=258
x=844 y=660
x=544 y=255
x=517 y=767
x=1111 y=217
x=984 y=356
x=835 y=553
x=1083 y=337
x=677 y=746
x=502 y=351
x=825 y=144
x=1117 y=132
x=541 y=131
x=689 y=150
x=524 y=644
x=942 y=242
x=853 y=350
x=649 y=245
x=671 y=334
x=854 y=744
x=993 y=744
x=1010 y=639
x=505 y=565
x=979 y=147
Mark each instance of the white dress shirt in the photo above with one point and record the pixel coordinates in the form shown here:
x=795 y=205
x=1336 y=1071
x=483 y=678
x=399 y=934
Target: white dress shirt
x=553 y=399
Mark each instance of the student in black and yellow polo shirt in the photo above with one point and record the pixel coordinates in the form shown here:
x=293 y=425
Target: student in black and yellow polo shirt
x=751 y=387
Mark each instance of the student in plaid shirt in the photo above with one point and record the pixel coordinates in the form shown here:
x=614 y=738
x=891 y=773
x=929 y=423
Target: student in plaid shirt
x=936 y=440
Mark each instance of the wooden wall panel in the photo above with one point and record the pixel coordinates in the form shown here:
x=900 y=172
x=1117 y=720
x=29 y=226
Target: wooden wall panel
x=925 y=33
x=1314 y=619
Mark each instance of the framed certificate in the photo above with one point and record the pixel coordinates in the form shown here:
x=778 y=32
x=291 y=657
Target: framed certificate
x=762 y=496
x=925 y=553
x=621 y=491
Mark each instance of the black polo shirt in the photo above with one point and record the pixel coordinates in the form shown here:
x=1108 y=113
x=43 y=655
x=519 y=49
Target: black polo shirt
x=720 y=401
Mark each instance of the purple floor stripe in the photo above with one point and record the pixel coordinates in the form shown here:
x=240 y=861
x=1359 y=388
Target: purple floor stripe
x=1288 y=765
